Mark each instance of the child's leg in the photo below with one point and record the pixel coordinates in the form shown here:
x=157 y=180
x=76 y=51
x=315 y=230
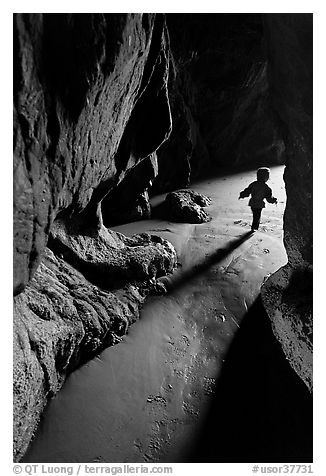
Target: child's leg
x=256 y=214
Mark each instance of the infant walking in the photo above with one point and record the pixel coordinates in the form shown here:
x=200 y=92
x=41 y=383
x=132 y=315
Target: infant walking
x=259 y=191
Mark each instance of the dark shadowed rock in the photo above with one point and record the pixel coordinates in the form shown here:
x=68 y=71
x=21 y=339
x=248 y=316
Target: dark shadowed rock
x=140 y=210
x=220 y=98
x=287 y=295
x=288 y=299
x=129 y=201
x=185 y=206
x=184 y=155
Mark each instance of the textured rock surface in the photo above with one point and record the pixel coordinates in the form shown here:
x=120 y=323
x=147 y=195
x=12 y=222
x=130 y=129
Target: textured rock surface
x=185 y=206
x=287 y=295
x=89 y=104
x=110 y=259
x=288 y=299
x=60 y=320
x=67 y=314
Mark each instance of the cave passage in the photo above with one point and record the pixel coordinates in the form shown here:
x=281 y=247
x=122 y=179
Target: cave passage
x=190 y=364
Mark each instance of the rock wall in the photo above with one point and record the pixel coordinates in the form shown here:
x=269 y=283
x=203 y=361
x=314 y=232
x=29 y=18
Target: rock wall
x=220 y=98
x=90 y=103
x=184 y=156
x=287 y=295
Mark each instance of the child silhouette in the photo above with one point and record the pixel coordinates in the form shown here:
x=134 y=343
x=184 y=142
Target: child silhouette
x=259 y=191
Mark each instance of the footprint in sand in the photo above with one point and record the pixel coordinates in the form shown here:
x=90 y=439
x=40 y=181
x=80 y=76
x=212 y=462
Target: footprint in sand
x=156 y=399
x=184 y=339
x=209 y=385
x=190 y=410
x=138 y=445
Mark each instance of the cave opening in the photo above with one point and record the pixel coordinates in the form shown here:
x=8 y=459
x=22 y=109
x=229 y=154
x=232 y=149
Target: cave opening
x=152 y=324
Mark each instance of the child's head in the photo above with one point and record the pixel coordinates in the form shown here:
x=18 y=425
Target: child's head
x=263 y=174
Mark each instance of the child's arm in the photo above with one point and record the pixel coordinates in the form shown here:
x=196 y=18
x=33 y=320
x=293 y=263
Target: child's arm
x=245 y=193
x=269 y=196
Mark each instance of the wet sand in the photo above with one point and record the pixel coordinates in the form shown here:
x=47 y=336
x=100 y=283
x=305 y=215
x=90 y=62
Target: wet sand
x=161 y=395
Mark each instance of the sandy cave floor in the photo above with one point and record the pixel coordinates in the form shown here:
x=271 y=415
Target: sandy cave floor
x=149 y=398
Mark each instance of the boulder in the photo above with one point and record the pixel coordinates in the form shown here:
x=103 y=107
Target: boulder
x=185 y=206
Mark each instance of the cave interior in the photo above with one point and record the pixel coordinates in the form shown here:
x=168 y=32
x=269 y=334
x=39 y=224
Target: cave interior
x=133 y=134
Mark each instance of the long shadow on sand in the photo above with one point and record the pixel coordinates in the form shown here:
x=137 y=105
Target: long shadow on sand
x=183 y=277
x=261 y=410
